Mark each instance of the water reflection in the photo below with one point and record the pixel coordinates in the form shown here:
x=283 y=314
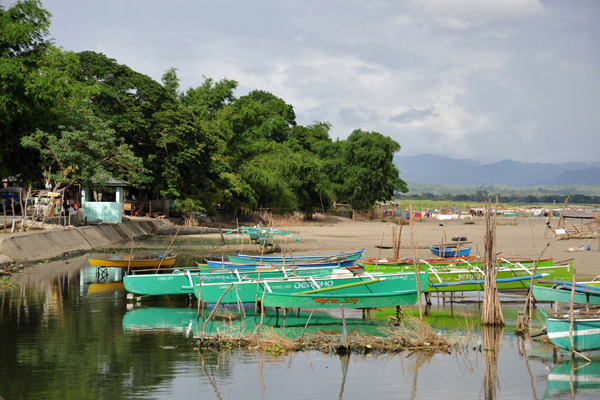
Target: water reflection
x=491 y=339
x=65 y=335
x=574 y=377
x=210 y=376
x=345 y=361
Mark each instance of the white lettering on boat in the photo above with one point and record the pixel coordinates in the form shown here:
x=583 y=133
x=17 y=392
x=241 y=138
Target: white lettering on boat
x=310 y=285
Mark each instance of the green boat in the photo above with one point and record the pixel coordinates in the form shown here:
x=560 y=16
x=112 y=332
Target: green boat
x=586 y=331
x=463 y=275
x=442 y=264
x=363 y=294
x=364 y=283
x=182 y=282
x=561 y=291
x=260 y=234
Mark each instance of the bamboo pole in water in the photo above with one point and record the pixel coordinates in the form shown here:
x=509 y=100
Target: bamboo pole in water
x=200 y=300
x=212 y=312
x=571 y=317
x=492 y=312
x=528 y=301
x=168 y=248
x=416 y=263
x=491 y=338
x=344 y=328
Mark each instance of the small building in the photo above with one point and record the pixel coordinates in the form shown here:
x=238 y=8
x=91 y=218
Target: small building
x=103 y=203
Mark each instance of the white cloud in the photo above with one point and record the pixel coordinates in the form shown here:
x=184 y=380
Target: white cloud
x=465 y=77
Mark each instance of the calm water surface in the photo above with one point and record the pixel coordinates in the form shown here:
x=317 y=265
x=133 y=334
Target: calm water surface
x=63 y=335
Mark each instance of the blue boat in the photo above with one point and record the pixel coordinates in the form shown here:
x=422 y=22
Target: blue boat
x=333 y=262
x=449 y=251
x=255 y=258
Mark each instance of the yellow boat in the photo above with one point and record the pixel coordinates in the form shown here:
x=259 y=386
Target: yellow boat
x=135 y=262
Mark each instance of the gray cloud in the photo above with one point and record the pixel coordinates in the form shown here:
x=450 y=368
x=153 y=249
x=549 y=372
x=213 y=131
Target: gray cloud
x=412 y=115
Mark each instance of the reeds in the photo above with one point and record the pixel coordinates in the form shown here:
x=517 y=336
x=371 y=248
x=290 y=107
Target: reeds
x=411 y=335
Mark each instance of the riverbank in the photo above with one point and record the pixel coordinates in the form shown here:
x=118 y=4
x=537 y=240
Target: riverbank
x=517 y=237
x=34 y=245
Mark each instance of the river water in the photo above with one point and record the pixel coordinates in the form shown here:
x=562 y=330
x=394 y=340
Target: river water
x=64 y=335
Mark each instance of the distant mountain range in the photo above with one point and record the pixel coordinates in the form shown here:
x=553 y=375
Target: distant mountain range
x=437 y=170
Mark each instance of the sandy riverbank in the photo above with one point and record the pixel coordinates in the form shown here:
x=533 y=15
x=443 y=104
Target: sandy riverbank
x=516 y=237
x=524 y=237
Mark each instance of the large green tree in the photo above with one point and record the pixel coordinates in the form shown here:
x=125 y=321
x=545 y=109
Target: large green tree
x=130 y=102
x=365 y=172
x=35 y=84
x=85 y=150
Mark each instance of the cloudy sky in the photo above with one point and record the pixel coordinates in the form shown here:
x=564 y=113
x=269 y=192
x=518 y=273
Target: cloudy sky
x=480 y=79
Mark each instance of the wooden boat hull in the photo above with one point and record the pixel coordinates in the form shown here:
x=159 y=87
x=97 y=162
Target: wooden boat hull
x=121 y=262
x=347 y=300
x=303 y=264
x=508 y=279
x=542 y=293
x=246 y=292
x=457 y=276
x=586 y=332
x=470 y=262
x=448 y=252
x=247 y=258
x=182 y=282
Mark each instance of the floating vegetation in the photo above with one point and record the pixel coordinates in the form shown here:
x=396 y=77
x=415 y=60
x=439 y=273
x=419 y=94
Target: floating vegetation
x=7 y=283
x=411 y=334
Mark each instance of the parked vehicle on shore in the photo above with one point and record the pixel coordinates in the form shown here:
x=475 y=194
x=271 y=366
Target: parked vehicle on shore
x=10 y=199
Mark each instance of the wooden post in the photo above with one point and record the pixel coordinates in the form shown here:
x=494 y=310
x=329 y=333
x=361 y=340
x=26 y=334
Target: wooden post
x=561 y=218
x=23 y=209
x=397 y=253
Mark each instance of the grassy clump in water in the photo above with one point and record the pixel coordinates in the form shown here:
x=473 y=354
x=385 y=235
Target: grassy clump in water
x=410 y=334
x=7 y=283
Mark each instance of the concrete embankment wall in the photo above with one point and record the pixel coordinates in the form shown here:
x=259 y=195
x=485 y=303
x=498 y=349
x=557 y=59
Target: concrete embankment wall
x=39 y=245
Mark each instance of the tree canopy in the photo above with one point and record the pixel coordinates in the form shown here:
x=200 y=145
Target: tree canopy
x=84 y=117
